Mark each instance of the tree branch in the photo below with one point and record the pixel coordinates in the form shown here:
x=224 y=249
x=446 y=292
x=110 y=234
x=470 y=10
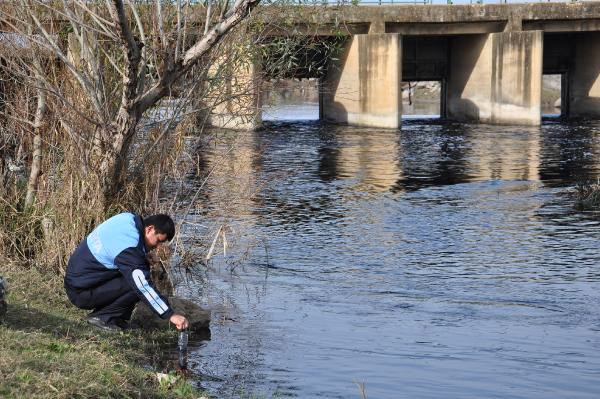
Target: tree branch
x=51 y=45
x=131 y=52
x=239 y=11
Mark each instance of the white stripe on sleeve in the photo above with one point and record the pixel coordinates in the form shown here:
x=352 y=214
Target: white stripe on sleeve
x=151 y=295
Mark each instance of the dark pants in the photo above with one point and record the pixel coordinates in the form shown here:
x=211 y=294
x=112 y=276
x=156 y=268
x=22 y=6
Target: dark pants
x=112 y=300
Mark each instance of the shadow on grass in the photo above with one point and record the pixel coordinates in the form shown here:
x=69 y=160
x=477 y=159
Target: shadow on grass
x=29 y=319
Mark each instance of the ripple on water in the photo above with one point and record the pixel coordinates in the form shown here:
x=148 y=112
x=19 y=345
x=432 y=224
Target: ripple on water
x=442 y=260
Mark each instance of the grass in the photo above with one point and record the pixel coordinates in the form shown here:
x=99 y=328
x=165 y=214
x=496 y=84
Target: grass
x=48 y=351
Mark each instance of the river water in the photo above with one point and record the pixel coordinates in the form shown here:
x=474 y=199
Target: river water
x=442 y=260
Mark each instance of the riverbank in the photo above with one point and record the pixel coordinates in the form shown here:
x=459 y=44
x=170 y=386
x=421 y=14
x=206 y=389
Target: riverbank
x=47 y=350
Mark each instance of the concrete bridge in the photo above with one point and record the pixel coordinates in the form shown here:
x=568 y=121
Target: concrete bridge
x=489 y=59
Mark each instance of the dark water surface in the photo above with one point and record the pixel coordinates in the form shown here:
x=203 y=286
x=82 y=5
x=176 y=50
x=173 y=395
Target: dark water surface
x=440 y=261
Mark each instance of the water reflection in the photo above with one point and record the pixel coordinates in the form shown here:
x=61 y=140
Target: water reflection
x=439 y=260
x=371 y=160
x=570 y=152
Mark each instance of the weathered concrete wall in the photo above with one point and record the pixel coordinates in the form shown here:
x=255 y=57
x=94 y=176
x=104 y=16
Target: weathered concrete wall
x=441 y=28
x=441 y=19
x=516 y=95
x=469 y=87
x=496 y=78
x=584 y=78
x=364 y=87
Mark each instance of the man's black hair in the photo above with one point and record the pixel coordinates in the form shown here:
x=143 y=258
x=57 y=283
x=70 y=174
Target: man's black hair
x=162 y=223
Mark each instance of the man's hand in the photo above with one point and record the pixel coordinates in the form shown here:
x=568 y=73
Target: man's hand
x=180 y=321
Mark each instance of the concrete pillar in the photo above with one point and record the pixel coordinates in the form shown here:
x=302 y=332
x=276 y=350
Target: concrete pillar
x=377 y=26
x=496 y=78
x=584 y=77
x=517 y=77
x=469 y=78
x=364 y=87
x=238 y=98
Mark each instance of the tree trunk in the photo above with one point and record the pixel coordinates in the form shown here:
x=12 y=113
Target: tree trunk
x=36 y=162
x=113 y=168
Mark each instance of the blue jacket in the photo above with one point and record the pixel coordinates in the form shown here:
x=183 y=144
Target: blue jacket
x=116 y=247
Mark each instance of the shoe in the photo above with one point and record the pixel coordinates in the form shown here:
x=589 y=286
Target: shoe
x=97 y=322
x=122 y=324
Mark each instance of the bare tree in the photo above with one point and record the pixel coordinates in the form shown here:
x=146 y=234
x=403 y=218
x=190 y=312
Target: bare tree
x=117 y=66
x=100 y=88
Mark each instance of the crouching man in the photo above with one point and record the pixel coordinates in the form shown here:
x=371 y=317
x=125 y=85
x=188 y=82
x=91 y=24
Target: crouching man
x=108 y=273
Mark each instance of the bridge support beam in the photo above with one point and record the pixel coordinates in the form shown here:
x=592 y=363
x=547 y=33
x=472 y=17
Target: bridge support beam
x=584 y=78
x=496 y=78
x=364 y=87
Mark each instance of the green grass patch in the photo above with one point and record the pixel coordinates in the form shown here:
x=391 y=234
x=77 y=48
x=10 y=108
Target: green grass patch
x=47 y=350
